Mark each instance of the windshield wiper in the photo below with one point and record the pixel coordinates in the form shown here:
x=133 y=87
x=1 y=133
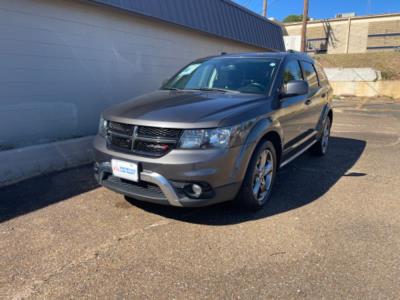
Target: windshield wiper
x=172 y=89
x=207 y=89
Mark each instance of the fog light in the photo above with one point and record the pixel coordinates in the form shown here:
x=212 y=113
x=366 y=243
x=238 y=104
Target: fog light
x=197 y=190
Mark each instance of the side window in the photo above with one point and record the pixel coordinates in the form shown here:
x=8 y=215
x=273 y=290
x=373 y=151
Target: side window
x=311 y=75
x=321 y=74
x=292 y=71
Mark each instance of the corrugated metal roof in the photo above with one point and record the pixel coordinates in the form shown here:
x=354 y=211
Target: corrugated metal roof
x=222 y=18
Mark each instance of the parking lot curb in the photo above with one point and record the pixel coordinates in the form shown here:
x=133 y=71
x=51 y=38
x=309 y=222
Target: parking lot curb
x=23 y=163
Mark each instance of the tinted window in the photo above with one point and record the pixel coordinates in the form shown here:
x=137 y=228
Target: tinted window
x=311 y=75
x=292 y=71
x=245 y=75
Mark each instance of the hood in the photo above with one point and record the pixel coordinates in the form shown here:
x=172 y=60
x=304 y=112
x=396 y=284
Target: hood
x=188 y=109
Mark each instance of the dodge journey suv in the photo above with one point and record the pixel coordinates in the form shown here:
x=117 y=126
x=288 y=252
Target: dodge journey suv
x=218 y=130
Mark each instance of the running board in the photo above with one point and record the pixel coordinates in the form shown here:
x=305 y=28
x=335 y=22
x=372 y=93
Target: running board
x=298 y=154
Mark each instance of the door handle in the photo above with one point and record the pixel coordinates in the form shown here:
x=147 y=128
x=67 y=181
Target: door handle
x=308 y=102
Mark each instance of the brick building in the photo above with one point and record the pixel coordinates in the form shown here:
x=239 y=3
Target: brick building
x=356 y=34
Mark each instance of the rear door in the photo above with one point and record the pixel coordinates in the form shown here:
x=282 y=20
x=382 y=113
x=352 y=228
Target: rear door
x=316 y=97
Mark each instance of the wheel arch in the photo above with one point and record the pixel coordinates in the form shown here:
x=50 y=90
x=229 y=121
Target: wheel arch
x=326 y=113
x=271 y=131
x=276 y=140
x=330 y=115
x=262 y=130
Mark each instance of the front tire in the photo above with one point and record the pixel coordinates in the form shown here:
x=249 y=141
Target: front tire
x=257 y=185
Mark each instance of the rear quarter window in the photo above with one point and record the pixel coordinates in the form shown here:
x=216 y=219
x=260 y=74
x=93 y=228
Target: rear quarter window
x=310 y=75
x=321 y=73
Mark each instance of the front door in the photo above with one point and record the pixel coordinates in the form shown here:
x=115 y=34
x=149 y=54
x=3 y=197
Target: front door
x=293 y=110
x=316 y=97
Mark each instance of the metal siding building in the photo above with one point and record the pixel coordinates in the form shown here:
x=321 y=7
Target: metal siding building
x=63 y=62
x=222 y=18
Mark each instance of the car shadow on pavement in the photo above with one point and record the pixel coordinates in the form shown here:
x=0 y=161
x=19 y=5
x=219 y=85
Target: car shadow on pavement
x=303 y=181
x=39 y=192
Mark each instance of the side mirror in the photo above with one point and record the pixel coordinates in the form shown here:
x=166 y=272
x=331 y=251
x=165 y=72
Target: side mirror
x=294 y=88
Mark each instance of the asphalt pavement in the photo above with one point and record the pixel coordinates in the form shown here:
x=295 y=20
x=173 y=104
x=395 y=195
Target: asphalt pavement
x=332 y=230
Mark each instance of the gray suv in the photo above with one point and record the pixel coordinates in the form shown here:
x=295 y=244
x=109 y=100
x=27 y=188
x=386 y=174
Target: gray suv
x=218 y=130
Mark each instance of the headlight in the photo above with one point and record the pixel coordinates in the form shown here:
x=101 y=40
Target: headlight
x=215 y=138
x=102 y=127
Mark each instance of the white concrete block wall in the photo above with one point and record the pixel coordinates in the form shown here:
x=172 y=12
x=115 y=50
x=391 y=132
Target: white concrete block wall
x=352 y=74
x=292 y=42
x=62 y=62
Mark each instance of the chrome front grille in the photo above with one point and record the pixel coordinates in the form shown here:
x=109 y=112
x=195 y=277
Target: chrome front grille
x=142 y=140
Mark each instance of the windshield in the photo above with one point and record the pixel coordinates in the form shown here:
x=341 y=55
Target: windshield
x=244 y=75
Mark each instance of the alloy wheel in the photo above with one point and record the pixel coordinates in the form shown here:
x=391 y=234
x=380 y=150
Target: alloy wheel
x=263 y=175
x=325 y=136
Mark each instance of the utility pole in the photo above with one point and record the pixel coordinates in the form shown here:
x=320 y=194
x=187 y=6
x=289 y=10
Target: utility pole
x=265 y=8
x=304 y=27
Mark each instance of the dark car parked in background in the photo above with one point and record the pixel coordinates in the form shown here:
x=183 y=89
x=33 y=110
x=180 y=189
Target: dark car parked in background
x=218 y=130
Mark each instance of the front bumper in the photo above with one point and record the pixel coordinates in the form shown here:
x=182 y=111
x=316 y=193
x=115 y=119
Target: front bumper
x=155 y=188
x=161 y=178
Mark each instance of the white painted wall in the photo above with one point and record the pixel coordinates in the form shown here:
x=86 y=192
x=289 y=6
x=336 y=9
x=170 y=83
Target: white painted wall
x=292 y=42
x=63 y=62
x=352 y=74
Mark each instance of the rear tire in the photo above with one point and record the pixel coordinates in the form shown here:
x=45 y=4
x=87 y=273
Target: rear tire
x=320 y=148
x=260 y=176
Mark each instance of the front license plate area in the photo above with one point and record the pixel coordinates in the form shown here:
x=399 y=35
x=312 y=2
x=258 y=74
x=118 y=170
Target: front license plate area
x=125 y=170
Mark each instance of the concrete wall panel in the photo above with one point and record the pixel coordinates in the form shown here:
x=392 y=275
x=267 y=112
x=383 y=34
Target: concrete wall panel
x=388 y=88
x=358 y=37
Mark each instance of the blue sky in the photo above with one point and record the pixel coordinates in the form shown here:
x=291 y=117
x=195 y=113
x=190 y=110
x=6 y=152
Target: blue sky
x=321 y=9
